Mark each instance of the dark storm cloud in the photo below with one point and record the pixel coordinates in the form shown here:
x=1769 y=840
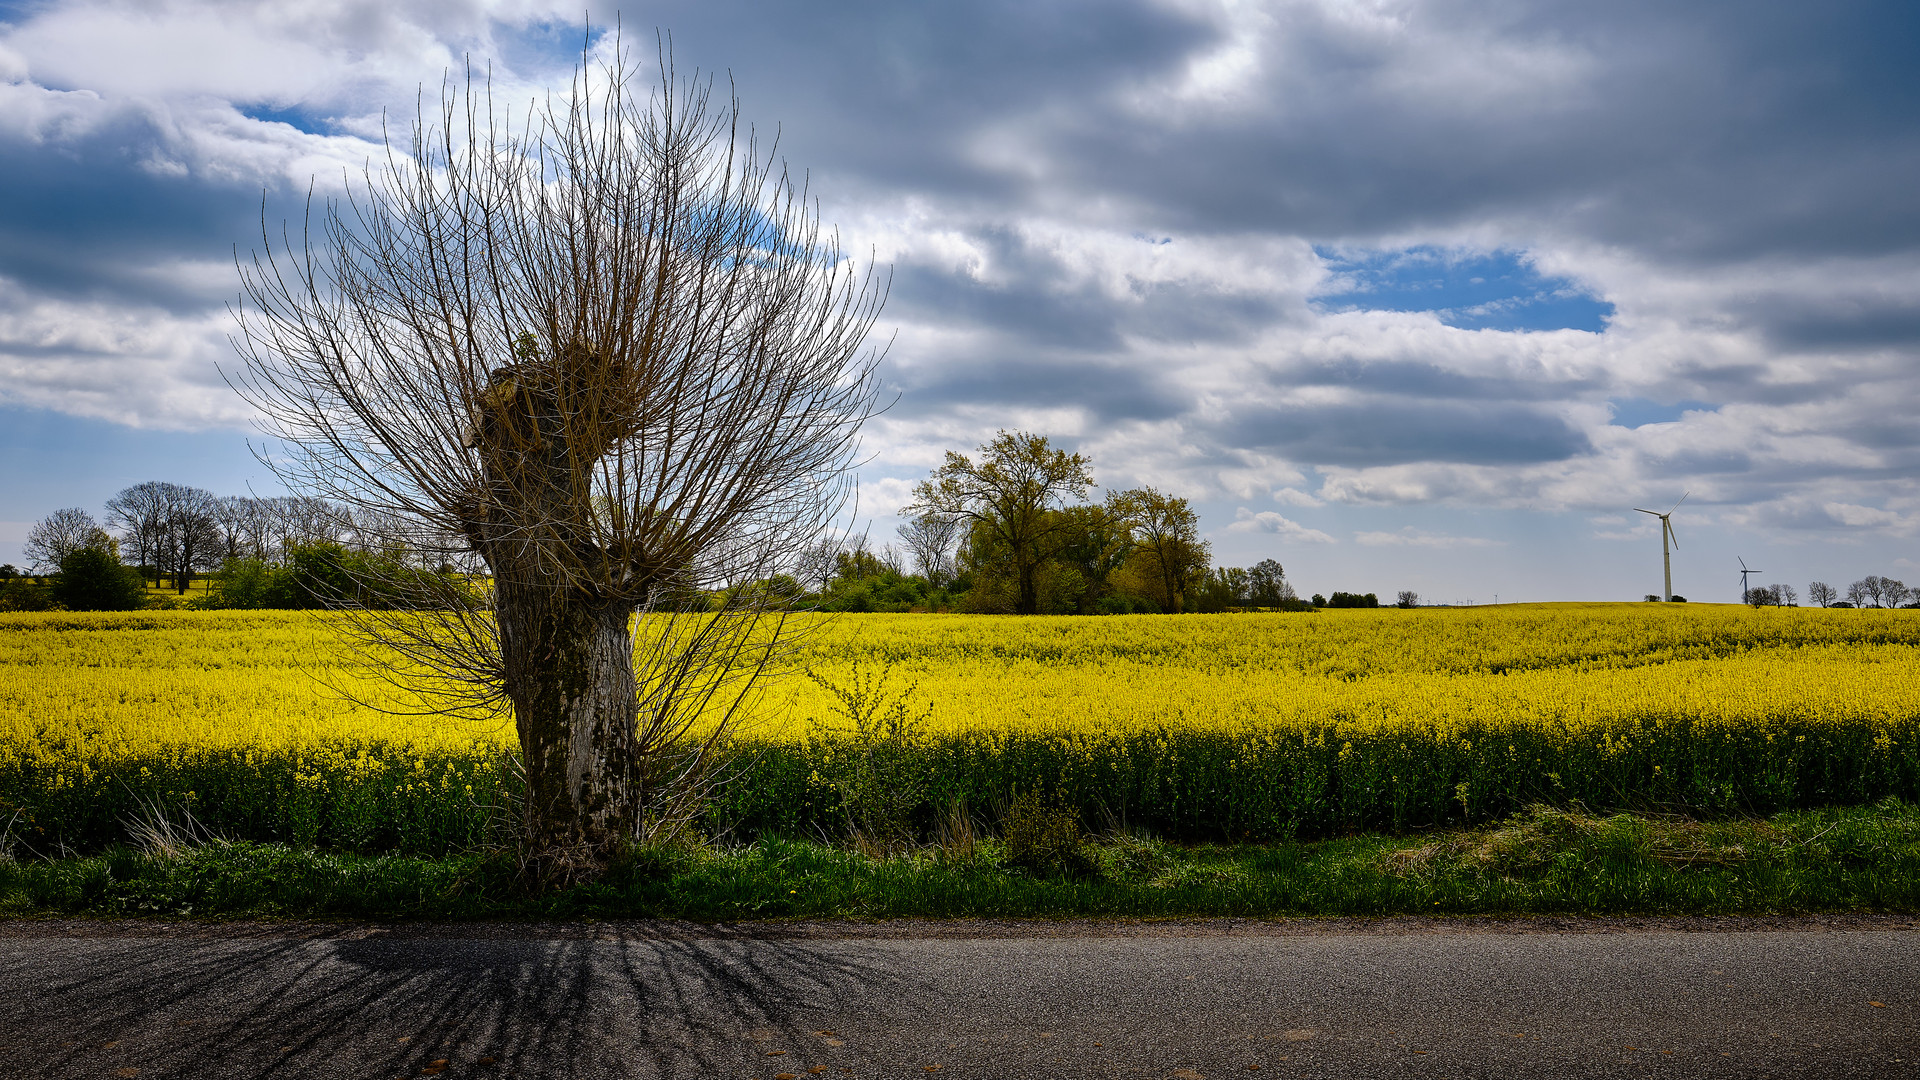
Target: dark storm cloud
x=1390 y=432
x=1690 y=135
x=1843 y=323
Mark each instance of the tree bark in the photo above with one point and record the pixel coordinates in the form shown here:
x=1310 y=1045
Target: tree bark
x=1026 y=575
x=566 y=649
x=569 y=674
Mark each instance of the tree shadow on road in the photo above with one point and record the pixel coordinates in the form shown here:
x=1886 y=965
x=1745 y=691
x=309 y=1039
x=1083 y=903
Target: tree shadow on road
x=383 y=1004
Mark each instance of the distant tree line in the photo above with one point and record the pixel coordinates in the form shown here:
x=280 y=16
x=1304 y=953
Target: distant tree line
x=1007 y=530
x=281 y=552
x=1870 y=591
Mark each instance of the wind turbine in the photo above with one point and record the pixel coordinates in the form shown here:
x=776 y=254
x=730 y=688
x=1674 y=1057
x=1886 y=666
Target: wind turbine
x=1743 y=578
x=1666 y=533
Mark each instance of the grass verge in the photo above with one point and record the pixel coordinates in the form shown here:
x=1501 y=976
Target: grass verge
x=1539 y=862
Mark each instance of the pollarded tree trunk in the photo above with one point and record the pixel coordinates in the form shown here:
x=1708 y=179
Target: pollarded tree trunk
x=566 y=645
x=569 y=673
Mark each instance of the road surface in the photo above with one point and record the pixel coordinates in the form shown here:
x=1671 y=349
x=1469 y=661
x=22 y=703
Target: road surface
x=1402 y=998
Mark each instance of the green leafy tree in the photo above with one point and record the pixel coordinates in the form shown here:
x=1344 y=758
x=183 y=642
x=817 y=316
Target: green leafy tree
x=1167 y=553
x=1099 y=544
x=1267 y=584
x=1012 y=497
x=93 y=579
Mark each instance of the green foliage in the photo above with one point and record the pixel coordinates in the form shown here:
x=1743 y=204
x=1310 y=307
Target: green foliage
x=93 y=579
x=881 y=771
x=868 y=756
x=317 y=575
x=1267 y=584
x=1349 y=600
x=1265 y=785
x=1221 y=589
x=1043 y=840
x=24 y=594
x=364 y=797
x=1013 y=498
x=1541 y=861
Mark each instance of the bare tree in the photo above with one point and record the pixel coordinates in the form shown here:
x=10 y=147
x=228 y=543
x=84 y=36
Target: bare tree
x=189 y=539
x=60 y=534
x=816 y=564
x=930 y=539
x=1408 y=599
x=1880 y=591
x=234 y=517
x=1788 y=596
x=139 y=513
x=1822 y=593
x=610 y=347
x=1016 y=492
x=1897 y=592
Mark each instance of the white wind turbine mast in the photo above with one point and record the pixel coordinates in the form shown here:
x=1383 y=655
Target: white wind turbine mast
x=1666 y=534
x=1746 y=597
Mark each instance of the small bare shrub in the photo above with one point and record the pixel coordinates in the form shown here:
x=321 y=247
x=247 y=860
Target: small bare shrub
x=1044 y=840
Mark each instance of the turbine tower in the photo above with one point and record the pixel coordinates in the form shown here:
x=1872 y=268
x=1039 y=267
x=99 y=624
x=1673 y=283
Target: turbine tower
x=1744 y=594
x=1666 y=533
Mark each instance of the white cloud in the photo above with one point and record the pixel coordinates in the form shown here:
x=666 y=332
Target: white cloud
x=1266 y=521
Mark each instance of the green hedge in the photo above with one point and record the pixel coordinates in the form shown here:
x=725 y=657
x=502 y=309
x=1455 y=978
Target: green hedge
x=1275 y=786
x=1178 y=784
x=366 y=798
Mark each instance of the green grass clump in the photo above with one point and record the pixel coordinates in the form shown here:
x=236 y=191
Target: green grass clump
x=1542 y=861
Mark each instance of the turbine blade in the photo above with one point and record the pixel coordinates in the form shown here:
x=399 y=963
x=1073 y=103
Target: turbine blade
x=1683 y=498
x=1743 y=565
x=1655 y=513
x=1674 y=536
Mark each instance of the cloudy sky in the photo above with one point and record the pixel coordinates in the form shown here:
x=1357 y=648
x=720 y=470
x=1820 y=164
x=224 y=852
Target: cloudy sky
x=1405 y=294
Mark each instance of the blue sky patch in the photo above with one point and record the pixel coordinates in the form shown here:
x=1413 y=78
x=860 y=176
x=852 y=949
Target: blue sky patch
x=1636 y=412
x=545 y=44
x=295 y=116
x=1473 y=291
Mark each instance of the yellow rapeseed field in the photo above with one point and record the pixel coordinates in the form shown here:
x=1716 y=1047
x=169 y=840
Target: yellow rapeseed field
x=1235 y=725
x=118 y=682
x=1374 y=669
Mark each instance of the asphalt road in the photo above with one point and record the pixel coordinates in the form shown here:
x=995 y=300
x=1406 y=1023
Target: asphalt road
x=1790 y=998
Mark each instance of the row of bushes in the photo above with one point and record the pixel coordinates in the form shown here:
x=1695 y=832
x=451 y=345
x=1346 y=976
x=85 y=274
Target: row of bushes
x=311 y=576
x=1180 y=784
